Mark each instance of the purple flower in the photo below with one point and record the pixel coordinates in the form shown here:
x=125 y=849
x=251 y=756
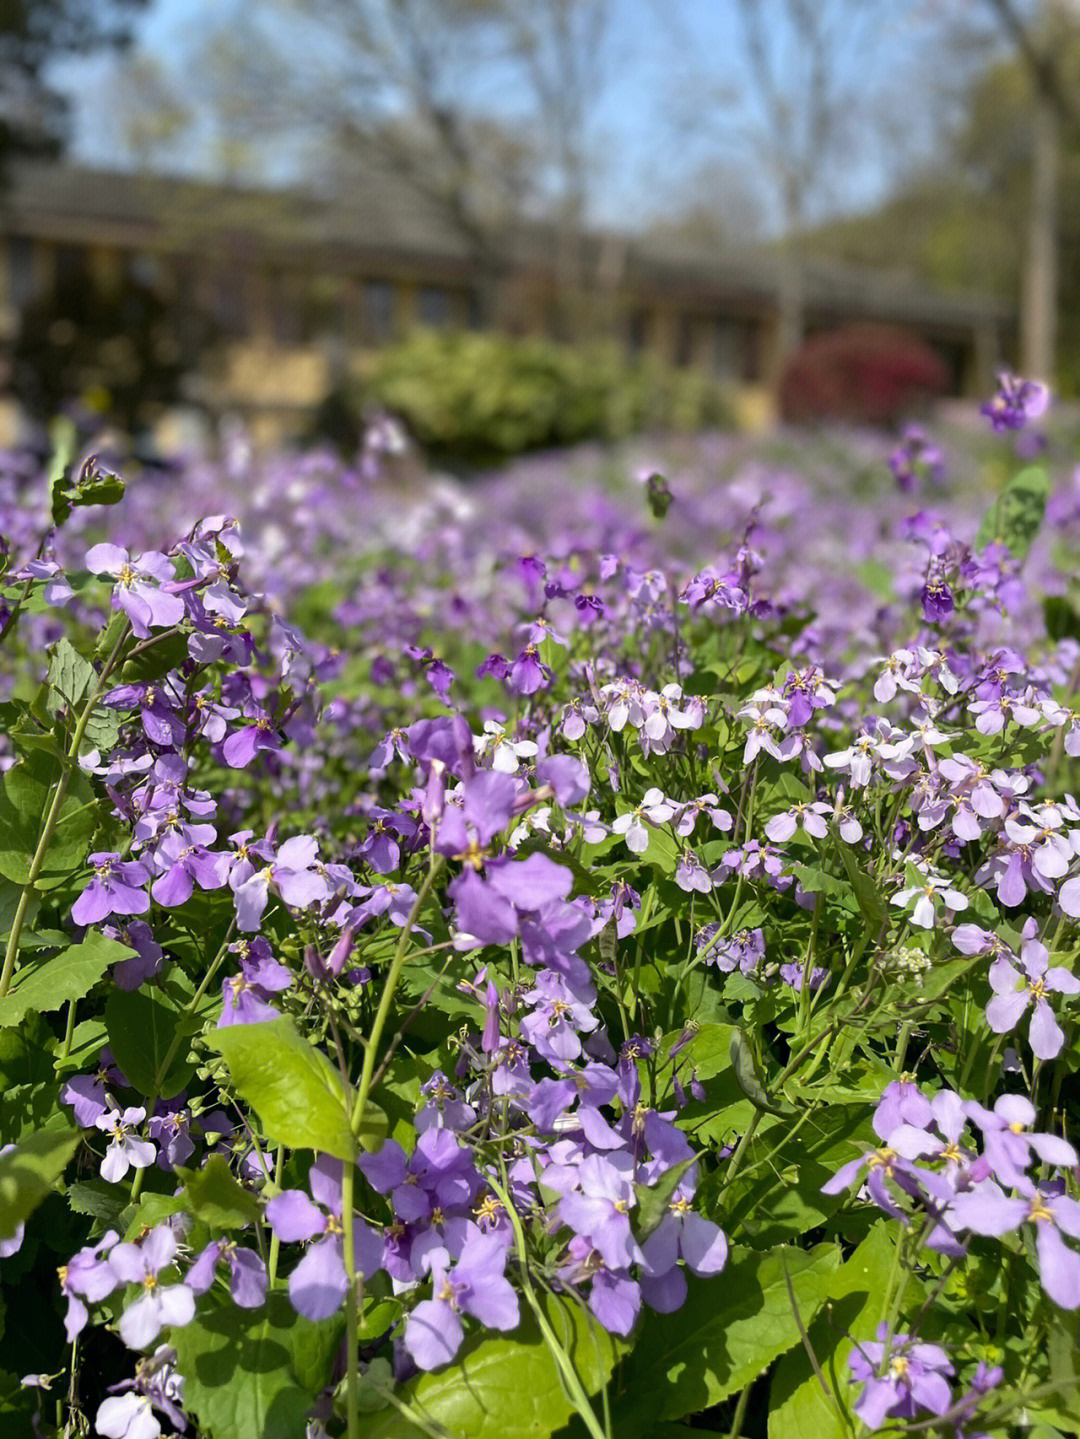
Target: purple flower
x=115 y=889
x=901 y=1377
x=1014 y=993
x=598 y=1209
x=170 y=1125
x=183 y=865
x=247 y=994
x=988 y=1210
x=1017 y=401
x=138 y=589
x=476 y=1285
x=247 y=1272
x=318 y=1284
x=161 y=724
x=244 y=744
x=681 y=1234
x=159 y=1305
x=86 y=1275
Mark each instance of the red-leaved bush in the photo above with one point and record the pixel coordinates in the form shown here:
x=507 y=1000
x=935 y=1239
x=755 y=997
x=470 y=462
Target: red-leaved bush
x=864 y=374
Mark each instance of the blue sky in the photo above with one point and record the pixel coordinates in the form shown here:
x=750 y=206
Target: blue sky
x=661 y=50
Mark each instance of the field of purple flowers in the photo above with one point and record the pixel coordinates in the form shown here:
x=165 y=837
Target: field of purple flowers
x=593 y=951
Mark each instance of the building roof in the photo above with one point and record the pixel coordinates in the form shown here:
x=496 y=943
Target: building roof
x=386 y=215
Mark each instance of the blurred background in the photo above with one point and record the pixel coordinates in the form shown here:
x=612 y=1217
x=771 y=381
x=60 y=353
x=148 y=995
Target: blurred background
x=523 y=223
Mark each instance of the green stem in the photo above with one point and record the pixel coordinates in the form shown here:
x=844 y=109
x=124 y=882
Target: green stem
x=52 y=818
x=170 y=1053
x=740 y=1411
x=378 y=1024
x=565 y=1364
x=275 y=1242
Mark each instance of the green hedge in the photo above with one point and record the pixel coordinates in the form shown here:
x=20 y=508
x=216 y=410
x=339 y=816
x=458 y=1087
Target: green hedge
x=476 y=398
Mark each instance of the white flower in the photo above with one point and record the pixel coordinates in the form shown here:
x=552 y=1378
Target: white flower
x=126 y=1416
x=125 y=1150
x=654 y=808
x=925 y=895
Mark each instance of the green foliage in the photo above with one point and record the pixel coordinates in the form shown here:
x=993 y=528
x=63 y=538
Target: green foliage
x=506 y=1386
x=293 y=1087
x=215 y=1197
x=145 y=1033
x=1016 y=516
x=48 y=983
x=477 y=398
x=725 y=1334
x=29 y=1171
x=25 y=795
x=254 y=1374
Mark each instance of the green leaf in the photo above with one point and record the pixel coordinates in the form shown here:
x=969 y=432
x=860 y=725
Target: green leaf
x=797 y=1403
x=161 y=657
x=10 y=895
x=652 y=1202
x=293 y=1087
x=29 y=1171
x=1016 y=515
x=25 y=796
x=142 y=1025
x=777 y=1195
x=730 y=1329
x=254 y=1374
x=63 y=436
x=216 y=1197
x=69 y=676
x=48 y=984
x=868 y=895
x=97 y=1197
x=506 y=1386
x=742 y=1061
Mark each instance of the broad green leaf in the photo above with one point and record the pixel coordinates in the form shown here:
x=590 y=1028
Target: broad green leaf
x=25 y=797
x=709 y=1052
x=293 y=1087
x=69 y=675
x=777 y=1195
x=797 y=1403
x=48 y=984
x=1016 y=515
x=215 y=1196
x=9 y=902
x=29 y=1171
x=142 y=1025
x=746 y=1075
x=868 y=896
x=254 y=1374
x=506 y=1386
x=731 y=1327
x=161 y=657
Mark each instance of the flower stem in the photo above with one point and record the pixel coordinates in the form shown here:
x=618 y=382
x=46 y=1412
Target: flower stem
x=52 y=818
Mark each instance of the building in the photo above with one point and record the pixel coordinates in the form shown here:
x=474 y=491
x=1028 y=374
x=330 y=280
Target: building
x=297 y=289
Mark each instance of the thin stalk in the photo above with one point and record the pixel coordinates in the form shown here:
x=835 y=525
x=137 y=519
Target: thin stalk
x=53 y=816
x=356 y=1120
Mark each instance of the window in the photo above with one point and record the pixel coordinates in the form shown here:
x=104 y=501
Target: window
x=475 y=317
x=753 y=353
x=22 y=280
x=728 y=347
x=435 y=306
x=637 y=331
x=72 y=266
x=378 y=309
x=684 y=344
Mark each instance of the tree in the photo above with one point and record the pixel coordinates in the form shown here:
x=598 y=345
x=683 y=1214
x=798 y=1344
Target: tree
x=34 y=113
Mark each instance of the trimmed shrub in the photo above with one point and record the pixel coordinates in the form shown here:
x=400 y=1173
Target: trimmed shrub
x=479 y=398
x=862 y=374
